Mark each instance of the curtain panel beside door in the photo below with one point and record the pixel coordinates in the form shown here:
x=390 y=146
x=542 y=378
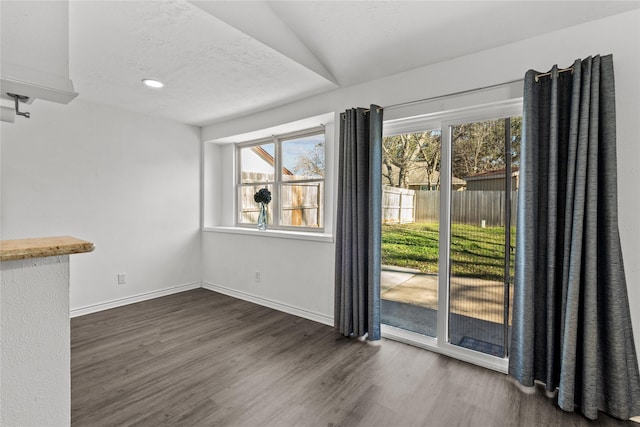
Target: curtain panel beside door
x=571 y=318
x=358 y=224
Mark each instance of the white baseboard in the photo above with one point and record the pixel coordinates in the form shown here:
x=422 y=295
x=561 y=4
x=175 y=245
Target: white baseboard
x=81 y=311
x=296 y=311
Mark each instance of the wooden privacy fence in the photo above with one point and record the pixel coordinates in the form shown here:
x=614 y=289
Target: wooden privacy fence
x=300 y=204
x=468 y=207
x=402 y=206
x=398 y=205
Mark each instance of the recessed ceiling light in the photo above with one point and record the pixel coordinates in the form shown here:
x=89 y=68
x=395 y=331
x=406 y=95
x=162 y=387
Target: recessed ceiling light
x=153 y=83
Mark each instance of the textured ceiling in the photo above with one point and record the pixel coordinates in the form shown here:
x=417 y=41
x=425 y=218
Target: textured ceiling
x=223 y=59
x=210 y=69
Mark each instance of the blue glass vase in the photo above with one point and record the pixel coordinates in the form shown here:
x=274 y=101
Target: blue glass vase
x=262 y=217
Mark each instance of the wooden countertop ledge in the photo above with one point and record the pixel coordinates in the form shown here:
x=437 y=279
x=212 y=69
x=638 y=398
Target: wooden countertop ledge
x=42 y=247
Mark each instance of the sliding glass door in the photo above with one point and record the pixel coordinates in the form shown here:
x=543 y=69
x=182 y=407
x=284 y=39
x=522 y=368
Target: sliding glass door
x=448 y=232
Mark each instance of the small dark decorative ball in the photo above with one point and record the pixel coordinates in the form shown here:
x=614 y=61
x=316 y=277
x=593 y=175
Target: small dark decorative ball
x=262 y=196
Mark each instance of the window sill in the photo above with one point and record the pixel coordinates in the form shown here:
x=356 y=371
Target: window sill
x=278 y=234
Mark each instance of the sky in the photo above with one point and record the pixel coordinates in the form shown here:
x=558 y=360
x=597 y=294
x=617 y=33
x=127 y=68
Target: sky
x=295 y=148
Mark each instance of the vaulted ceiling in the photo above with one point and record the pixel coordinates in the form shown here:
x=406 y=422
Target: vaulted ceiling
x=223 y=59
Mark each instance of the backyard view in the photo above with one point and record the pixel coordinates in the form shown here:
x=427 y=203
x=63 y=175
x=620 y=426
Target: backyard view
x=484 y=160
x=478 y=252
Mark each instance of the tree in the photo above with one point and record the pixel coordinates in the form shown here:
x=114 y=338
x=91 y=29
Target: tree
x=430 y=152
x=516 y=140
x=402 y=154
x=479 y=147
x=312 y=163
x=399 y=151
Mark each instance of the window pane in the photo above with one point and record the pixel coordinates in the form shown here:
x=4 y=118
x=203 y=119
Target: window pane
x=249 y=209
x=303 y=158
x=257 y=163
x=302 y=204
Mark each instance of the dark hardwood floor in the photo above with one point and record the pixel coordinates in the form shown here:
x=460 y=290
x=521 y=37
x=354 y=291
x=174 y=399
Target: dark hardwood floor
x=200 y=358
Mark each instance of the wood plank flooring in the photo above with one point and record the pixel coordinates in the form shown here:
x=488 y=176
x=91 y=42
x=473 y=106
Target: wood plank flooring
x=199 y=358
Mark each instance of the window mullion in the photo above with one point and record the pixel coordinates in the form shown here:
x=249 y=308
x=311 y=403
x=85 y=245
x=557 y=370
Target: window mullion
x=238 y=192
x=444 y=234
x=507 y=234
x=277 y=208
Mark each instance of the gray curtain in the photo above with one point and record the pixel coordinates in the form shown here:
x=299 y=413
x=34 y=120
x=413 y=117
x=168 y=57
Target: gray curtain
x=571 y=318
x=358 y=224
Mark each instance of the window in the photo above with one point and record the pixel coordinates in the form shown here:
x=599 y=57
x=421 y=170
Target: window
x=292 y=168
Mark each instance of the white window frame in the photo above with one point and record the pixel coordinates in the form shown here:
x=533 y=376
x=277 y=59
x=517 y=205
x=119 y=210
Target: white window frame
x=276 y=203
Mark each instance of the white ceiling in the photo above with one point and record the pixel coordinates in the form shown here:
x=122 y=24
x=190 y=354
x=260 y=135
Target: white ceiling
x=223 y=59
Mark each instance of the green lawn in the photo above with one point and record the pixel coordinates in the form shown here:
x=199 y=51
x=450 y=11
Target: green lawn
x=475 y=251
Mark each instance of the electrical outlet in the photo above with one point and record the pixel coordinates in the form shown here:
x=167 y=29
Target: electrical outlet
x=122 y=278
x=257 y=277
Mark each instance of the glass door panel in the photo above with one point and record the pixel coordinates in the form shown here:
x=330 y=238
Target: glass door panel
x=485 y=156
x=410 y=231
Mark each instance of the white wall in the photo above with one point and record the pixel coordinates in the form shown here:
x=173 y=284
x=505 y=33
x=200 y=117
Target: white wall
x=294 y=274
x=306 y=281
x=126 y=182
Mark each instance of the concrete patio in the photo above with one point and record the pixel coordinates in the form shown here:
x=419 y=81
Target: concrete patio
x=410 y=301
